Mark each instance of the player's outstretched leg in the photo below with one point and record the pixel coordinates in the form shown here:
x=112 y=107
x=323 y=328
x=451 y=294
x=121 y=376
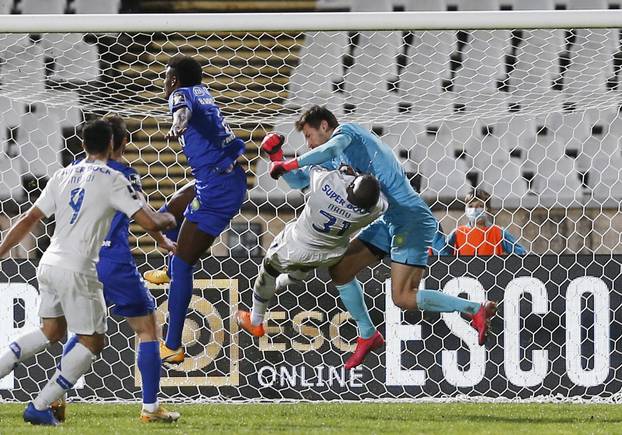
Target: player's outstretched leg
x=75 y=363
x=192 y=243
x=21 y=349
x=263 y=291
x=176 y=206
x=369 y=339
x=407 y=295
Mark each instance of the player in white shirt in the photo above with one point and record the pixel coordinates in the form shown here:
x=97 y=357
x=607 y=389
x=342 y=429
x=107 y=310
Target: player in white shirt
x=340 y=203
x=84 y=198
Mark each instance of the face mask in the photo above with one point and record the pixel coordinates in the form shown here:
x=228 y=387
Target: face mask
x=474 y=214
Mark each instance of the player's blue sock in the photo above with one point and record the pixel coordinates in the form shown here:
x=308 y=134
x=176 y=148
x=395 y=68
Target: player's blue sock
x=149 y=366
x=352 y=297
x=439 y=302
x=70 y=344
x=173 y=233
x=179 y=296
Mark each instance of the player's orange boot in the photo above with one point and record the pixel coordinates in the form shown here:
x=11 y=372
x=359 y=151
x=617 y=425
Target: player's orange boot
x=171 y=356
x=244 y=321
x=363 y=347
x=157 y=276
x=480 y=321
x=59 y=408
x=161 y=415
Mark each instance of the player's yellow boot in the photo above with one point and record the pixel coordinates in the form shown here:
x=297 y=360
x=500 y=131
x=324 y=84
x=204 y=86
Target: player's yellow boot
x=171 y=356
x=59 y=407
x=157 y=276
x=161 y=415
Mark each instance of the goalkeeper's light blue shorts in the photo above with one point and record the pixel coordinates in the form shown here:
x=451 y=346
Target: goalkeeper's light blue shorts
x=404 y=232
x=124 y=289
x=218 y=199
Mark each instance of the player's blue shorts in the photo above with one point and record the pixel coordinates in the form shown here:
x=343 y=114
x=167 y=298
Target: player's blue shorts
x=405 y=232
x=124 y=289
x=218 y=199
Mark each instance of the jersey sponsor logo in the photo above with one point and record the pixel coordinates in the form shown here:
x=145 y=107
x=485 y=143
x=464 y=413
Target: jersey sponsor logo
x=334 y=196
x=195 y=204
x=198 y=91
x=179 y=98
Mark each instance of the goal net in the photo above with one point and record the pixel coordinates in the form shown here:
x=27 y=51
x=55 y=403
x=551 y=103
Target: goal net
x=529 y=113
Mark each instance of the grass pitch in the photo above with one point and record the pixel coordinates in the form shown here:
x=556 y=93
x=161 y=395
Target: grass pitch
x=334 y=418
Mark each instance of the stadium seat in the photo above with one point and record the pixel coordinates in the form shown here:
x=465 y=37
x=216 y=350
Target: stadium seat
x=11 y=170
x=6 y=6
x=591 y=55
x=427 y=66
x=367 y=81
x=273 y=191
x=40 y=142
x=42 y=6
x=537 y=63
x=483 y=65
x=75 y=59
x=556 y=179
x=443 y=175
x=96 y=6
x=371 y=6
x=571 y=128
x=319 y=71
x=401 y=136
x=65 y=104
x=23 y=73
x=11 y=112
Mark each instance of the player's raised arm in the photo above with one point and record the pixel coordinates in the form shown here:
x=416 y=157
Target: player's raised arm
x=322 y=154
x=181 y=118
x=319 y=127
x=20 y=229
x=44 y=206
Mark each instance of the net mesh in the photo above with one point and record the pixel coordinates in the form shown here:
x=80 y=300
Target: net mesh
x=532 y=116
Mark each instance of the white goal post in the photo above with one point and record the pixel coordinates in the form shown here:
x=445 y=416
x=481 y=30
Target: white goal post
x=523 y=104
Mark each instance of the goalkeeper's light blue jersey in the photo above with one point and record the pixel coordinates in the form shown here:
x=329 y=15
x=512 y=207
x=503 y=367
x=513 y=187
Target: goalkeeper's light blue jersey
x=367 y=154
x=208 y=143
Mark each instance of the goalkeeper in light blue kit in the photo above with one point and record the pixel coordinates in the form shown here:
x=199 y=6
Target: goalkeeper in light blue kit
x=405 y=231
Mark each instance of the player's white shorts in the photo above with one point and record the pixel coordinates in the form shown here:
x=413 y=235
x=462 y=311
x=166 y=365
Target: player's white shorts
x=287 y=255
x=77 y=296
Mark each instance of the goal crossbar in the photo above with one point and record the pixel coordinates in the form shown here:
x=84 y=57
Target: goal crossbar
x=321 y=21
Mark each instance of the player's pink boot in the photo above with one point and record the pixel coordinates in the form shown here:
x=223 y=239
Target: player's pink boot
x=363 y=347
x=480 y=321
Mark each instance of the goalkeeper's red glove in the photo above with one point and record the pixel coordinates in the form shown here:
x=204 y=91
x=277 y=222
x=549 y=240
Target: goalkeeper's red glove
x=272 y=144
x=279 y=168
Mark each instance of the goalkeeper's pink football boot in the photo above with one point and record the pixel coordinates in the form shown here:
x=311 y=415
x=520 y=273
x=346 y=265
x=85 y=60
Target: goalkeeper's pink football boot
x=480 y=321
x=363 y=347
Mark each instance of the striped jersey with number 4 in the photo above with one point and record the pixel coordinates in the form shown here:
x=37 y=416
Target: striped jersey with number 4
x=329 y=219
x=84 y=198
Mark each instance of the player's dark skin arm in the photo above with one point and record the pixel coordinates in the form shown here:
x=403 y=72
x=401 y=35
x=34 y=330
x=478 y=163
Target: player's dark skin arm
x=181 y=117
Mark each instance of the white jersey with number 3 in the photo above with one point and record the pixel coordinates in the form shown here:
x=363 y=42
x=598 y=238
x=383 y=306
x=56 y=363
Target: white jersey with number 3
x=84 y=198
x=321 y=235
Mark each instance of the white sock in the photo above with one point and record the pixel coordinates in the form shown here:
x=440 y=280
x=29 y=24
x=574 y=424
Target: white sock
x=284 y=280
x=21 y=349
x=264 y=289
x=74 y=364
x=151 y=407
